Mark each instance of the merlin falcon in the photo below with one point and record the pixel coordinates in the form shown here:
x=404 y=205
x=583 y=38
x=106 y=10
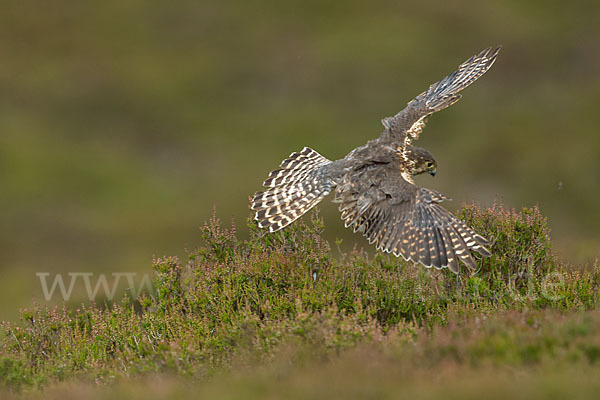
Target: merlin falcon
x=375 y=188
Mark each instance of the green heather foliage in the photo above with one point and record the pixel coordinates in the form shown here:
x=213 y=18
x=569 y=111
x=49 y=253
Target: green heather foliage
x=241 y=302
x=520 y=241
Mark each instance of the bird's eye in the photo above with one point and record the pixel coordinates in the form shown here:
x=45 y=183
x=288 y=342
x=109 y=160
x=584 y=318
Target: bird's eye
x=429 y=164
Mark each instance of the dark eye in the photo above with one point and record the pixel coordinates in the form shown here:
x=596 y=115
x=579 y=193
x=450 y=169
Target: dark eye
x=429 y=164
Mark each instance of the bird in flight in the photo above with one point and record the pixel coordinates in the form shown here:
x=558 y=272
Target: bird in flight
x=375 y=188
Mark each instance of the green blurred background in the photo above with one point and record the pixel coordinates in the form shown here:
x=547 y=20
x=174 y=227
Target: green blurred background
x=122 y=123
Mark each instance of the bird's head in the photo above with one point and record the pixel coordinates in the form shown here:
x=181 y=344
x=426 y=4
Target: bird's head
x=420 y=161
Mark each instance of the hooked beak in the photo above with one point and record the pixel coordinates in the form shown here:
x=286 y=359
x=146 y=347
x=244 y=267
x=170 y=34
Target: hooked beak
x=432 y=172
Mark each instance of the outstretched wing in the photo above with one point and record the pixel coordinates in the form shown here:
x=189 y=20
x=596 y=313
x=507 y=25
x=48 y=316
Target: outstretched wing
x=408 y=123
x=406 y=220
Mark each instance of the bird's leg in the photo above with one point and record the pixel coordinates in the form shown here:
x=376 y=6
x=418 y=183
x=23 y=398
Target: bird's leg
x=434 y=275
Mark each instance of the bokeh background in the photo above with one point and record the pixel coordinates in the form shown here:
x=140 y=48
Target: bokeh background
x=122 y=123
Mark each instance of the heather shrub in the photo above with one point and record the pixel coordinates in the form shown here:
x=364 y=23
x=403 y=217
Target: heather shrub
x=520 y=241
x=242 y=301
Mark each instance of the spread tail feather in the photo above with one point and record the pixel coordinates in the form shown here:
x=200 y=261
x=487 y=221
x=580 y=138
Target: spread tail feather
x=297 y=186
